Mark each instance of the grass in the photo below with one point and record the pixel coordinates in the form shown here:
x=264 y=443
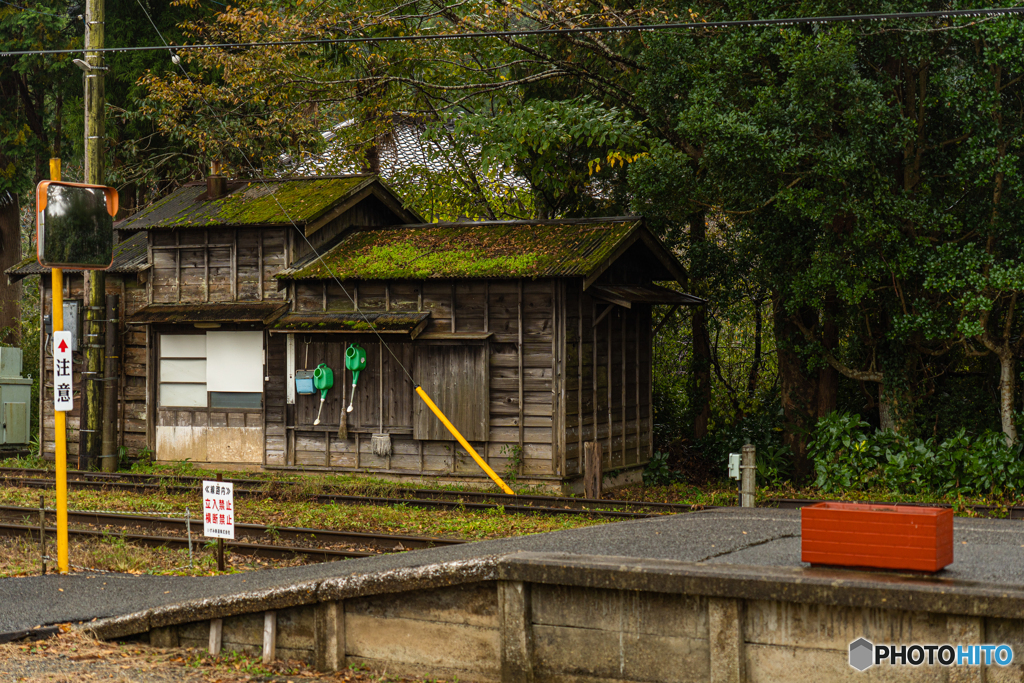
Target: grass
x=725 y=493
x=291 y=509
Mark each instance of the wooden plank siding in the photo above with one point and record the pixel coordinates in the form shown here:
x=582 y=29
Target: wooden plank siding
x=216 y=265
x=541 y=369
x=608 y=380
x=131 y=412
x=470 y=307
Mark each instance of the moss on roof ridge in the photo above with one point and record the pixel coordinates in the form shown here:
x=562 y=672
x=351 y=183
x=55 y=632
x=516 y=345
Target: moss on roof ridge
x=256 y=203
x=470 y=250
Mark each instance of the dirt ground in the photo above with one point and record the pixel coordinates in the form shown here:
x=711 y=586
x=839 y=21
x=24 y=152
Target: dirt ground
x=73 y=656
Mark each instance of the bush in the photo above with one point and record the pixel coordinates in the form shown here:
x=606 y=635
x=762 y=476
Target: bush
x=658 y=473
x=764 y=430
x=847 y=457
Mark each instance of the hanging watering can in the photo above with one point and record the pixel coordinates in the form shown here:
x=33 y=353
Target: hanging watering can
x=323 y=379
x=355 y=362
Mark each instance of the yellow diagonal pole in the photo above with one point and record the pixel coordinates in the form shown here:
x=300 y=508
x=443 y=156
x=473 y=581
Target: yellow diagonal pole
x=59 y=416
x=465 y=444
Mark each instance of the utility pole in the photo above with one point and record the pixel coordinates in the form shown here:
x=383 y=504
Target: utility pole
x=95 y=156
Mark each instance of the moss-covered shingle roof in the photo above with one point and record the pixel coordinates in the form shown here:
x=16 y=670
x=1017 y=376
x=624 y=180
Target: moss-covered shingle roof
x=274 y=202
x=471 y=250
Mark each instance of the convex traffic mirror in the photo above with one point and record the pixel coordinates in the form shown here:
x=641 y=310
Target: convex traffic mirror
x=75 y=225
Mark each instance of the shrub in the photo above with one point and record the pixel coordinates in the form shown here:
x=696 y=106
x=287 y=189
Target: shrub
x=847 y=457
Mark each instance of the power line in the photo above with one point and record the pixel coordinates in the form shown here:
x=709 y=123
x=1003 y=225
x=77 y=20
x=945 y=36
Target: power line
x=261 y=178
x=793 y=21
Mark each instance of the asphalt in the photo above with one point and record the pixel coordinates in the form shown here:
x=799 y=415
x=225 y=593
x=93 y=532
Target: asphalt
x=986 y=551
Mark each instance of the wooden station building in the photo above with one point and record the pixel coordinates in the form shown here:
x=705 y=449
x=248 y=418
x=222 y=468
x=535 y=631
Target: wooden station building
x=534 y=337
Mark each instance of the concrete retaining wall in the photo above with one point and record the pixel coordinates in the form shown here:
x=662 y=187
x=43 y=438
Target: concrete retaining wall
x=538 y=617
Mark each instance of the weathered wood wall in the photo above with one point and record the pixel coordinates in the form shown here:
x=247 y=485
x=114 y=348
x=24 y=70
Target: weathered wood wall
x=368 y=212
x=131 y=411
x=513 y=320
x=200 y=265
x=608 y=382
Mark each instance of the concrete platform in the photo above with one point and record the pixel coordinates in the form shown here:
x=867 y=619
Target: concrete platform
x=737 y=571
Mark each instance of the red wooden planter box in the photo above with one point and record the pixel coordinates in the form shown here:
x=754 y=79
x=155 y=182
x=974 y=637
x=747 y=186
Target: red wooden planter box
x=877 y=536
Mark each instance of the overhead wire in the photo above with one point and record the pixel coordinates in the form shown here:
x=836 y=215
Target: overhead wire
x=510 y=33
x=261 y=178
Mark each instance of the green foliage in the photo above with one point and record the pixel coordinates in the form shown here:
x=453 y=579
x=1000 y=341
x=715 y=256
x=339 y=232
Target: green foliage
x=658 y=473
x=514 y=462
x=847 y=457
x=763 y=430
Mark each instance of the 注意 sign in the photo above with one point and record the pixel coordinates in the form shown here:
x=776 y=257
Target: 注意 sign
x=62 y=371
x=218 y=509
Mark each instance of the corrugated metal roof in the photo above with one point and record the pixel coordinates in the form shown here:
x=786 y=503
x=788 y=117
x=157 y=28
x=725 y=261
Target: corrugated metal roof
x=129 y=257
x=228 y=312
x=274 y=202
x=471 y=250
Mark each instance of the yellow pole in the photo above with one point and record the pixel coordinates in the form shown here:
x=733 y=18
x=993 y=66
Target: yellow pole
x=59 y=416
x=465 y=444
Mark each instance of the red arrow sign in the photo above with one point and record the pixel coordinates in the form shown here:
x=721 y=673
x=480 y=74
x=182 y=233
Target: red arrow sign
x=63 y=346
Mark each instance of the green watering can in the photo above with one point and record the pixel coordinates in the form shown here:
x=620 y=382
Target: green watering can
x=323 y=379
x=355 y=361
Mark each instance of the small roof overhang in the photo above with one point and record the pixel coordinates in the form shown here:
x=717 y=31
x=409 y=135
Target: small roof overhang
x=627 y=295
x=411 y=324
x=262 y=312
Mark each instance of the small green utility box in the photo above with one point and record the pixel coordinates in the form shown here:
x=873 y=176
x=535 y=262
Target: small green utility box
x=15 y=399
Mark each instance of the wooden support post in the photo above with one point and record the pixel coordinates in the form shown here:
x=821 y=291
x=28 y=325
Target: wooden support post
x=206 y=265
x=622 y=362
x=579 y=383
x=108 y=451
x=216 y=629
x=611 y=421
x=269 y=637
x=593 y=372
x=519 y=330
x=177 y=266
x=329 y=636
x=592 y=474
x=637 y=335
x=748 y=474
x=259 y=263
x=234 y=264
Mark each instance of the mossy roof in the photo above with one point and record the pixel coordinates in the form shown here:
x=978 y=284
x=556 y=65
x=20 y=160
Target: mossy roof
x=248 y=203
x=471 y=250
x=349 y=322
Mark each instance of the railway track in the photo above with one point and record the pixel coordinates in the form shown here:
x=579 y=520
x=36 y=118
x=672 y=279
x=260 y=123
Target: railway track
x=427 y=498
x=430 y=498
x=321 y=544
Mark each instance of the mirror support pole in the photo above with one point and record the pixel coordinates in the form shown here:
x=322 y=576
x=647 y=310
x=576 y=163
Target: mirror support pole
x=95 y=151
x=59 y=416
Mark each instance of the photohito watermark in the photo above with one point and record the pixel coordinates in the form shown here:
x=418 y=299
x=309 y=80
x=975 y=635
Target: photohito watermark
x=864 y=654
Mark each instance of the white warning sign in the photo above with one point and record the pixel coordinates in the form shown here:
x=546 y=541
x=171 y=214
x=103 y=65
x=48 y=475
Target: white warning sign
x=62 y=371
x=218 y=509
